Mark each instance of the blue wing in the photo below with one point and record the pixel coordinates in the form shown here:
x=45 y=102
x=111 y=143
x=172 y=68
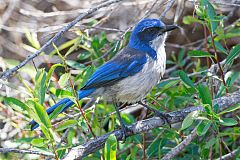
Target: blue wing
x=123 y=65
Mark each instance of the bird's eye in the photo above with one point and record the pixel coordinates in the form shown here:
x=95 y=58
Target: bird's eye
x=152 y=29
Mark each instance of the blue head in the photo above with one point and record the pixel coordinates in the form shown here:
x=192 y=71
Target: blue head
x=145 y=32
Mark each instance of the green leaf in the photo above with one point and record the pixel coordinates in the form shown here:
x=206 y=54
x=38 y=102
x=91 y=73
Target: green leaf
x=87 y=74
x=56 y=111
x=63 y=81
x=228 y=122
x=39 y=142
x=180 y=57
x=185 y=79
x=210 y=143
x=67 y=124
x=40 y=88
x=211 y=14
x=16 y=104
x=110 y=148
x=205 y=94
x=203 y=127
x=42 y=116
x=198 y=53
x=50 y=72
x=70 y=136
x=231 y=109
x=220 y=47
x=32 y=38
x=75 y=64
x=190 y=20
x=188 y=120
x=63 y=93
x=64 y=46
x=84 y=55
x=75 y=46
x=153 y=147
x=235 y=51
x=233 y=32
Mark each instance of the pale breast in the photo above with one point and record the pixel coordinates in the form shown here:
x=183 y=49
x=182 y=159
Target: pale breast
x=135 y=88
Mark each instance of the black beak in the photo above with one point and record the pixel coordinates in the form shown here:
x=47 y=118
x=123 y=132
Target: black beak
x=169 y=28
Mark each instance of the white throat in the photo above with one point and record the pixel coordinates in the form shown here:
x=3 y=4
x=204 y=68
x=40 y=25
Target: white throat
x=159 y=42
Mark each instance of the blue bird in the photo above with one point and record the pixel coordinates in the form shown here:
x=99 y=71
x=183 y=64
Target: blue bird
x=130 y=74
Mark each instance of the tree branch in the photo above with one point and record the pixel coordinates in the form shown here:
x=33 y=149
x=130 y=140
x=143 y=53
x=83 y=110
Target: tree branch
x=58 y=35
x=167 y=8
x=176 y=150
x=146 y=125
x=231 y=155
x=24 y=151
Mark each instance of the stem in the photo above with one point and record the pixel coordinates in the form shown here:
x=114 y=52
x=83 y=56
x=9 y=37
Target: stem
x=144 y=147
x=218 y=62
x=54 y=151
x=78 y=105
x=206 y=43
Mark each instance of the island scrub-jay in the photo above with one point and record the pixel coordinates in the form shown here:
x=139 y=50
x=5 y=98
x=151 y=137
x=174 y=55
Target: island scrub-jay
x=131 y=73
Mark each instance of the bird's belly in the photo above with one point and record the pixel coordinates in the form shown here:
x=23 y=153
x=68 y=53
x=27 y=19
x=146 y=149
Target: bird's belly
x=134 y=88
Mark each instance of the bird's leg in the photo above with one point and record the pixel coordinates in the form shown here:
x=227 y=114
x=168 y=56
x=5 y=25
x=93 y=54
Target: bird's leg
x=123 y=126
x=157 y=113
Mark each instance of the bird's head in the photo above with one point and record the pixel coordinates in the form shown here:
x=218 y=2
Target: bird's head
x=146 y=31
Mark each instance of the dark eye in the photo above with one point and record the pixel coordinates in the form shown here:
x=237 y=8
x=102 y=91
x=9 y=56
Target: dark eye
x=152 y=29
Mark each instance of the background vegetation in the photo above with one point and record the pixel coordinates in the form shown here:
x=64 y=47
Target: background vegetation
x=202 y=65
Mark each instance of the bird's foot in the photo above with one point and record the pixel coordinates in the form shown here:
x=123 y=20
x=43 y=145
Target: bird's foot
x=162 y=115
x=125 y=130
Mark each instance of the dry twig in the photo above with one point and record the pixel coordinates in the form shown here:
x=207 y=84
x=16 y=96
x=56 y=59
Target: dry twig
x=24 y=151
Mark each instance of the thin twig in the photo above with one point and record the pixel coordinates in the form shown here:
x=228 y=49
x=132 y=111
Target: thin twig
x=218 y=61
x=9 y=72
x=167 y=8
x=230 y=155
x=176 y=150
x=81 y=110
x=24 y=151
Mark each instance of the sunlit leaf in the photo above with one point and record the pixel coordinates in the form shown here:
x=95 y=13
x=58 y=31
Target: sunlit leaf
x=205 y=94
x=67 y=124
x=203 y=127
x=64 y=79
x=228 y=122
x=235 y=51
x=16 y=104
x=184 y=77
x=110 y=148
x=189 y=119
x=199 y=53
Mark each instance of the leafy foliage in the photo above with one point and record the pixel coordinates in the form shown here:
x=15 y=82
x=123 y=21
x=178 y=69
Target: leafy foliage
x=216 y=129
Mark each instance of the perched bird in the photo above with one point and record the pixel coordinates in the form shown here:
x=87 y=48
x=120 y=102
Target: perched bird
x=131 y=73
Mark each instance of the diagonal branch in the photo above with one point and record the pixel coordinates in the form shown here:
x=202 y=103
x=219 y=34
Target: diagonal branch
x=176 y=150
x=9 y=72
x=24 y=151
x=146 y=125
x=168 y=7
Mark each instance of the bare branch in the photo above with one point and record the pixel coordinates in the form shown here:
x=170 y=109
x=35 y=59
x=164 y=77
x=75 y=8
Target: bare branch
x=146 y=125
x=24 y=151
x=176 y=150
x=58 y=35
x=230 y=155
x=167 y=8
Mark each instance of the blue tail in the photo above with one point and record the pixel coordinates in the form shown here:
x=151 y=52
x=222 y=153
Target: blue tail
x=68 y=103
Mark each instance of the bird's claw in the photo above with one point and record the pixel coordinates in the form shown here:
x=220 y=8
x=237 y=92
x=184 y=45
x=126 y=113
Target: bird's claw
x=164 y=116
x=125 y=130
